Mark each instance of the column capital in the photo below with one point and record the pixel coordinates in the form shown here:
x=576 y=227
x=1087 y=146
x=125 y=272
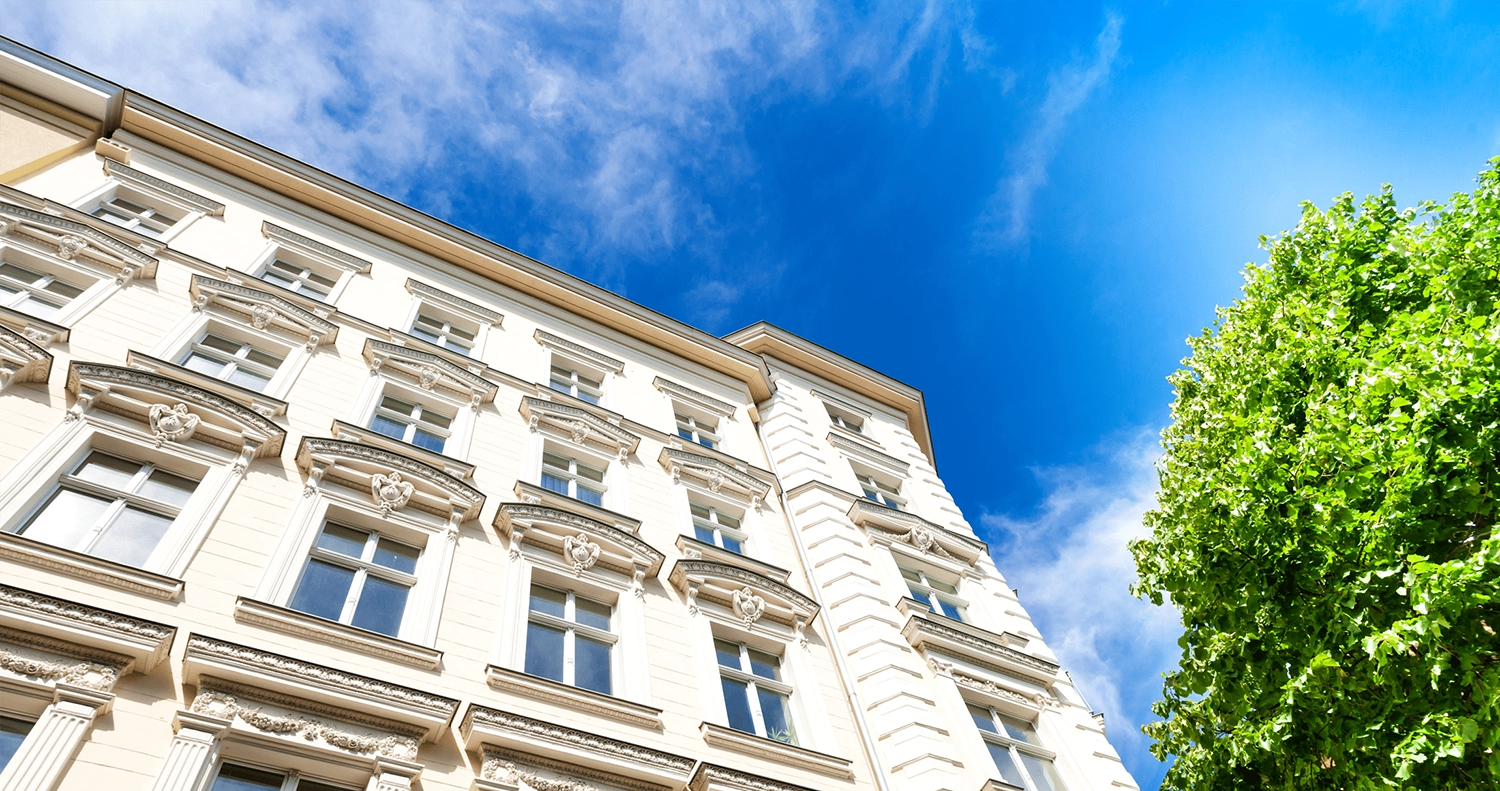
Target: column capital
x=95 y=701
x=213 y=727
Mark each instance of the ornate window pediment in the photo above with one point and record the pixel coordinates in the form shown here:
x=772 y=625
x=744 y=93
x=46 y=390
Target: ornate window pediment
x=580 y=426
x=71 y=240
x=578 y=352
x=21 y=360
x=173 y=411
x=487 y=727
x=311 y=247
x=509 y=770
x=97 y=636
x=931 y=634
x=890 y=526
x=262 y=309
x=437 y=296
x=263 y=404
x=428 y=371
x=693 y=549
x=715 y=475
x=151 y=184
x=747 y=595
x=688 y=395
x=393 y=481
x=709 y=777
x=581 y=543
x=867 y=454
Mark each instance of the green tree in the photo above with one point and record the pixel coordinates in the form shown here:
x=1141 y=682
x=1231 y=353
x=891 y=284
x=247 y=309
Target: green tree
x=1325 y=522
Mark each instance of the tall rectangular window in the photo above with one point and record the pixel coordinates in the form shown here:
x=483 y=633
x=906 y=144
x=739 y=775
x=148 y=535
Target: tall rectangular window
x=712 y=526
x=304 y=278
x=568 y=639
x=136 y=216
x=235 y=777
x=357 y=577
x=110 y=507
x=883 y=492
x=940 y=597
x=440 y=330
x=568 y=476
x=699 y=430
x=12 y=732
x=419 y=424
x=1012 y=744
x=40 y=294
x=755 y=696
x=234 y=361
x=844 y=419
x=585 y=385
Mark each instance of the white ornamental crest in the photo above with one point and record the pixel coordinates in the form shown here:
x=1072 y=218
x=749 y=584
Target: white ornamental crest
x=390 y=492
x=581 y=431
x=173 y=423
x=922 y=538
x=581 y=552
x=715 y=480
x=748 y=606
x=261 y=315
x=70 y=246
x=427 y=377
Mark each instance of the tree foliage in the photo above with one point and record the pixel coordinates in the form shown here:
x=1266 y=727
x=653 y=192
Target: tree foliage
x=1327 y=509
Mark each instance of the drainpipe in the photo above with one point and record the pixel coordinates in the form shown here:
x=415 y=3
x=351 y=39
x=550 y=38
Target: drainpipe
x=833 y=637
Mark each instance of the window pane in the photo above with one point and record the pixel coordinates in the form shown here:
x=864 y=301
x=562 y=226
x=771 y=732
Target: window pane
x=549 y=601
x=326 y=282
x=428 y=441
x=591 y=473
x=1019 y=730
x=704 y=534
x=230 y=347
x=19 y=274
x=919 y=594
x=388 y=427
x=765 y=665
x=381 y=605
x=590 y=496
x=727 y=520
x=1043 y=774
x=457 y=346
x=560 y=386
x=425 y=333
x=591 y=664
x=778 y=723
x=243 y=778
x=732 y=544
x=395 y=555
x=950 y=609
x=65 y=518
x=397 y=405
x=131 y=536
x=554 y=483
x=63 y=289
x=427 y=323
x=685 y=433
x=587 y=396
x=728 y=653
x=554 y=460
x=323 y=589
x=544 y=651
x=591 y=613
x=37 y=307
x=698 y=510
x=203 y=364
x=263 y=358
x=737 y=704
x=249 y=380
x=303 y=784
x=343 y=540
x=460 y=333
x=284 y=268
x=164 y=487
x=982 y=719
x=942 y=586
x=12 y=732
x=585 y=381
x=436 y=418
x=1009 y=772
x=107 y=470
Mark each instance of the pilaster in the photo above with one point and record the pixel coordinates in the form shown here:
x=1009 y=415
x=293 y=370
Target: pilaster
x=195 y=748
x=44 y=755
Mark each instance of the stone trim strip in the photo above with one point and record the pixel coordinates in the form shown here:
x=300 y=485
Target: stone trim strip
x=279 y=234
x=136 y=178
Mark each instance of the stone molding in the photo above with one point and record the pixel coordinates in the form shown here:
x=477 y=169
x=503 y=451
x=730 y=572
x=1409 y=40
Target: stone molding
x=888 y=524
x=21 y=359
x=714 y=474
x=485 y=725
x=455 y=303
x=579 y=351
x=264 y=405
x=428 y=370
x=579 y=425
x=710 y=777
x=309 y=720
x=790 y=754
x=567 y=696
x=323 y=630
x=971 y=644
x=48 y=660
x=350 y=432
x=693 y=549
x=867 y=453
x=70 y=239
x=1031 y=704
x=135 y=178
x=79 y=564
x=262 y=308
x=552 y=528
x=356 y=465
x=41 y=332
x=749 y=595
x=303 y=244
x=145 y=642
x=511 y=768
x=688 y=395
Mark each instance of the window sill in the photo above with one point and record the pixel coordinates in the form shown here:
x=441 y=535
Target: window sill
x=546 y=689
x=695 y=549
x=263 y=404
x=106 y=572
x=1000 y=785
x=761 y=747
x=355 y=639
x=531 y=494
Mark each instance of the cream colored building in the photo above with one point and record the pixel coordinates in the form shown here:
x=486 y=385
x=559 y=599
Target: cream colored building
x=303 y=489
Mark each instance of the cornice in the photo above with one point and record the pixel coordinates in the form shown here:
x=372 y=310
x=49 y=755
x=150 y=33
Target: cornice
x=429 y=370
x=629 y=552
x=318 y=456
x=21 y=360
x=39 y=331
x=273 y=308
x=579 y=350
x=133 y=177
x=453 y=302
x=714 y=473
x=145 y=642
x=291 y=238
x=323 y=630
x=84 y=566
x=68 y=239
x=571 y=697
x=709 y=777
x=790 y=754
x=263 y=404
x=687 y=394
x=510 y=768
x=309 y=720
x=978 y=646
x=879 y=519
x=579 y=425
x=692 y=577
x=867 y=453
x=350 y=432
x=693 y=549
x=485 y=725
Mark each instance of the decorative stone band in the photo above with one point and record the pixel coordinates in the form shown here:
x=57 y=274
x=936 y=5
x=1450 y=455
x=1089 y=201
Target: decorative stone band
x=69 y=239
x=986 y=649
x=714 y=473
x=582 y=542
x=262 y=308
x=718 y=778
x=576 y=350
x=579 y=425
x=144 y=643
x=130 y=175
x=484 y=727
x=891 y=524
x=331 y=254
x=867 y=453
x=750 y=596
x=691 y=396
x=759 y=746
x=368 y=468
x=428 y=371
x=571 y=697
x=513 y=768
x=22 y=360
x=269 y=674
x=987 y=687
x=334 y=728
x=440 y=297
x=49 y=660
x=134 y=393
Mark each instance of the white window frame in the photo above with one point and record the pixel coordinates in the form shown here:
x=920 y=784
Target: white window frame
x=753 y=684
x=241 y=359
x=363 y=567
x=307 y=267
x=418 y=419
x=141 y=195
x=1016 y=747
x=573 y=381
x=846 y=419
x=291 y=779
x=460 y=429
x=445 y=335
x=98 y=283
x=688 y=422
x=436 y=303
x=925 y=587
x=306 y=253
x=575 y=457
x=882 y=488
x=571 y=628
x=719 y=529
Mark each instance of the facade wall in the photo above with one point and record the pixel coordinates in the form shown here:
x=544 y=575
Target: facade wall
x=150 y=674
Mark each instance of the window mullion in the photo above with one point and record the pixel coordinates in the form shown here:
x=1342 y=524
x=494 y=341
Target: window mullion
x=105 y=520
x=356 y=587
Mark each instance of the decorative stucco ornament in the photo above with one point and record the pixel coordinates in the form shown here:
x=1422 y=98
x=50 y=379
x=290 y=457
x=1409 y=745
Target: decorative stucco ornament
x=580 y=552
x=69 y=247
x=172 y=423
x=715 y=480
x=581 y=431
x=261 y=315
x=922 y=538
x=748 y=606
x=390 y=492
x=427 y=377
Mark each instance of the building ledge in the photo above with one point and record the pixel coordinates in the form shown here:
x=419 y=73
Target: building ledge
x=323 y=630
x=999 y=785
x=927 y=632
x=761 y=747
x=546 y=689
x=106 y=572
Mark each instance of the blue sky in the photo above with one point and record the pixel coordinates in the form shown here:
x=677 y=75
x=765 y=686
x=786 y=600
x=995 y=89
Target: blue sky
x=1022 y=209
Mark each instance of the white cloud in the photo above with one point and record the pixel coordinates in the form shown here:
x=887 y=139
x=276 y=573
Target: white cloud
x=1073 y=572
x=1007 y=218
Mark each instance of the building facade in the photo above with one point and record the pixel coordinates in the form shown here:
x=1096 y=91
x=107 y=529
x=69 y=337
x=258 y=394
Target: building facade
x=301 y=489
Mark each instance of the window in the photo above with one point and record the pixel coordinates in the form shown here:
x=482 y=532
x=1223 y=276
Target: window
x=357 y=577
x=12 y=733
x=443 y=332
x=1012 y=744
x=844 y=419
x=713 y=526
x=233 y=777
x=568 y=476
x=417 y=424
x=584 y=385
x=41 y=295
x=133 y=216
x=939 y=596
x=111 y=507
x=887 y=494
x=233 y=361
x=754 y=695
x=703 y=432
x=568 y=639
x=299 y=277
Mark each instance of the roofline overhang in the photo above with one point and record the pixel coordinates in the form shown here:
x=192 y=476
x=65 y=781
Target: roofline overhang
x=62 y=84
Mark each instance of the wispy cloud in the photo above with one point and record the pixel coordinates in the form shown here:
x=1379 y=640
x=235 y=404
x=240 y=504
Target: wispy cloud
x=1073 y=571
x=1007 y=216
